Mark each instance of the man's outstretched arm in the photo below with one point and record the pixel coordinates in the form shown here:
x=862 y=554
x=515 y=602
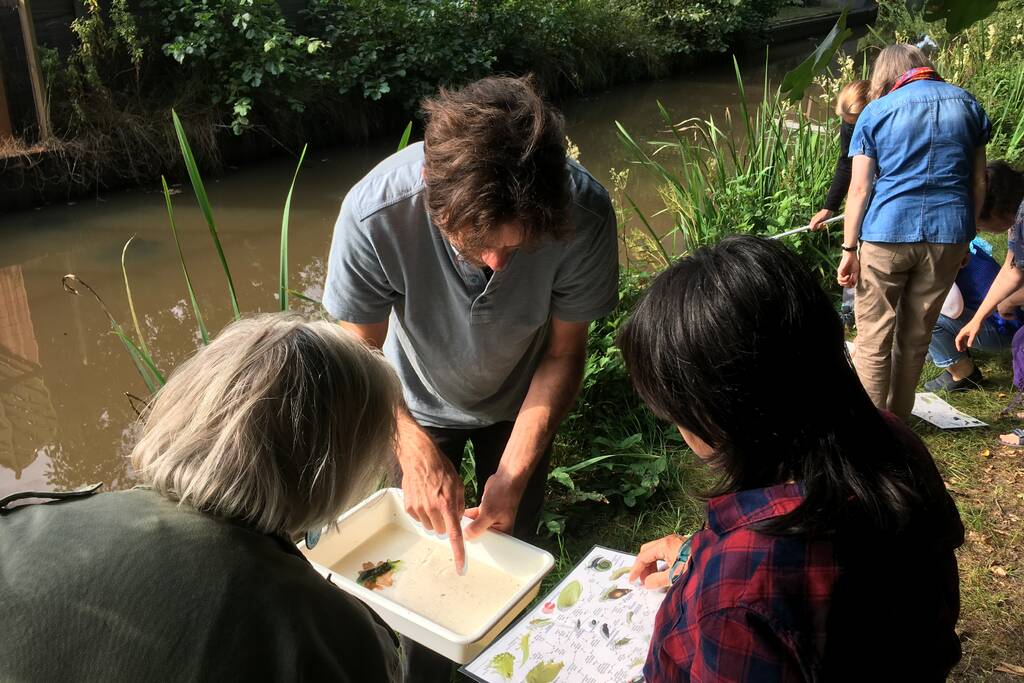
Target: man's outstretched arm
x=433 y=490
x=552 y=391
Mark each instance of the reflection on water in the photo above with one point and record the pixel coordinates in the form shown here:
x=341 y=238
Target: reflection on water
x=64 y=418
x=28 y=421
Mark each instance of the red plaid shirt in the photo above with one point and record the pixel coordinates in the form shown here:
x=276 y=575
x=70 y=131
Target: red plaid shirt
x=753 y=607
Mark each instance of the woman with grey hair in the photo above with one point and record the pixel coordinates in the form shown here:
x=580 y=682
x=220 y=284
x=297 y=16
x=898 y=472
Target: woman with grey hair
x=270 y=431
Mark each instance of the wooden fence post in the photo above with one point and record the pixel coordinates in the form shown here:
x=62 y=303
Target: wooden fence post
x=35 y=72
x=6 y=129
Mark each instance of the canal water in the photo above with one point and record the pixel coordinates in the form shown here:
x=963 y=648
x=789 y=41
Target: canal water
x=65 y=420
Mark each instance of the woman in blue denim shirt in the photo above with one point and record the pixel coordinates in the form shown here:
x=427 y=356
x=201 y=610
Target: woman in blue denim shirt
x=918 y=180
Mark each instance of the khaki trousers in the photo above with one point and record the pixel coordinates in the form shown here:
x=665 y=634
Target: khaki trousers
x=899 y=296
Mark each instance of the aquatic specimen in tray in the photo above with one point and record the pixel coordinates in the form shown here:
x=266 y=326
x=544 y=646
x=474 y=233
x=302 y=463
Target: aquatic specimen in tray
x=379 y=575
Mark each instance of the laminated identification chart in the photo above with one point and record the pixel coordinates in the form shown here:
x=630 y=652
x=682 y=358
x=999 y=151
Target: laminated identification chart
x=931 y=408
x=594 y=627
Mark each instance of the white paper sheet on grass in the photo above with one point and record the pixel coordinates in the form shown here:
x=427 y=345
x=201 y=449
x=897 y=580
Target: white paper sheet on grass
x=596 y=640
x=931 y=408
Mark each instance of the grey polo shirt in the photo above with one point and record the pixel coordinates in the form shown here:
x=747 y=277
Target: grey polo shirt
x=465 y=347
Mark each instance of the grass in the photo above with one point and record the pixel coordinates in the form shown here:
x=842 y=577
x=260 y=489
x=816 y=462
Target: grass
x=985 y=479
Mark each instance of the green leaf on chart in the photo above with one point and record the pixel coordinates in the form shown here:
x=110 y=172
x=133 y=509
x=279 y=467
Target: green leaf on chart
x=622 y=571
x=283 y=272
x=570 y=595
x=539 y=622
x=502 y=664
x=545 y=672
x=404 y=142
x=796 y=82
x=524 y=646
x=958 y=14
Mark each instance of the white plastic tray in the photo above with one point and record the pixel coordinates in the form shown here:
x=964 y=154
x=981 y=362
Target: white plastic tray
x=386 y=507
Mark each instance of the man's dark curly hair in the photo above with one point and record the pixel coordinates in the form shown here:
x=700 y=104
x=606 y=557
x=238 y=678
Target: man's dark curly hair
x=495 y=152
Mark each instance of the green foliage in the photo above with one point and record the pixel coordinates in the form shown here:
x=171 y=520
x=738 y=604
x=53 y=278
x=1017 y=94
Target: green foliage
x=106 y=43
x=404 y=50
x=985 y=59
x=959 y=14
x=137 y=348
x=242 y=64
x=760 y=170
x=406 y=134
x=796 y=82
x=282 y=280
x=234 y=51
x=706 y=25
x=204 y=206
x=610 y=449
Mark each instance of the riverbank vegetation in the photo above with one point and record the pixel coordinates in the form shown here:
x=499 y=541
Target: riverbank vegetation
x=247 y=76
x=619 y=476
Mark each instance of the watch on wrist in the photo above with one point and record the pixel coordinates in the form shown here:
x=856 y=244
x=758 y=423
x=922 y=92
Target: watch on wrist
x=852 y=249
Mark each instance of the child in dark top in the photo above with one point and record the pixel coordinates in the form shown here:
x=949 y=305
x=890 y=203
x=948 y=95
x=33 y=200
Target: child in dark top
x=971 y=285
x=851 y=101
x=1003 y=210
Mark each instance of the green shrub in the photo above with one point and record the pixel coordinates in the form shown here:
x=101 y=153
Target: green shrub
x=687 y=28
x=234 y=53
x=379 y=48
x=610 y=449
x=239 y=64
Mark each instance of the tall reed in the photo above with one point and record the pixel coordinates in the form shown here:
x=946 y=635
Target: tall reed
x=761 y=169
x=137 y=348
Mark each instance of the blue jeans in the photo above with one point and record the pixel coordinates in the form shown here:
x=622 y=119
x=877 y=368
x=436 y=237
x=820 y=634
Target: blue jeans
x=942 y=347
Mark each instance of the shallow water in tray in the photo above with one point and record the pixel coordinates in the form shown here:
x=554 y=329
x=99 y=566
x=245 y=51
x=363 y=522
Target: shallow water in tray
x=427 y=584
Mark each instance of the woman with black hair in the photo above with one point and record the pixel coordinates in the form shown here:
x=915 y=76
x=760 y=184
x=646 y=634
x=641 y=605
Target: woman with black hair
x=827 y=554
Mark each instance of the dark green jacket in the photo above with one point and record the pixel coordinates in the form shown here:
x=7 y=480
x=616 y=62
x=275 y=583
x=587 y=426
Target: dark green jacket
x=132 y=587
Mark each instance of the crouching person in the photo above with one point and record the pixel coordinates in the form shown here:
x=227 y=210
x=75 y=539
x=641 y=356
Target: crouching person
x=827 y=553
x=269 y=431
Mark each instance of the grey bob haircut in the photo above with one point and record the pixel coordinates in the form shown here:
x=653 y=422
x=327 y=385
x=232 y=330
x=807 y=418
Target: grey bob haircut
x=279 y=423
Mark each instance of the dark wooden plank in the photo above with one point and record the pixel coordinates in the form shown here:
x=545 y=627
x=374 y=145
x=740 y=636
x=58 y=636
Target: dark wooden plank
x=53 y=23
x=6 y=128
x=12 y=62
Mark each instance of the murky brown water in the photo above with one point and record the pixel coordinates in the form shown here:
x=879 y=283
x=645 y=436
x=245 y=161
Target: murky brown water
x=64 y=419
